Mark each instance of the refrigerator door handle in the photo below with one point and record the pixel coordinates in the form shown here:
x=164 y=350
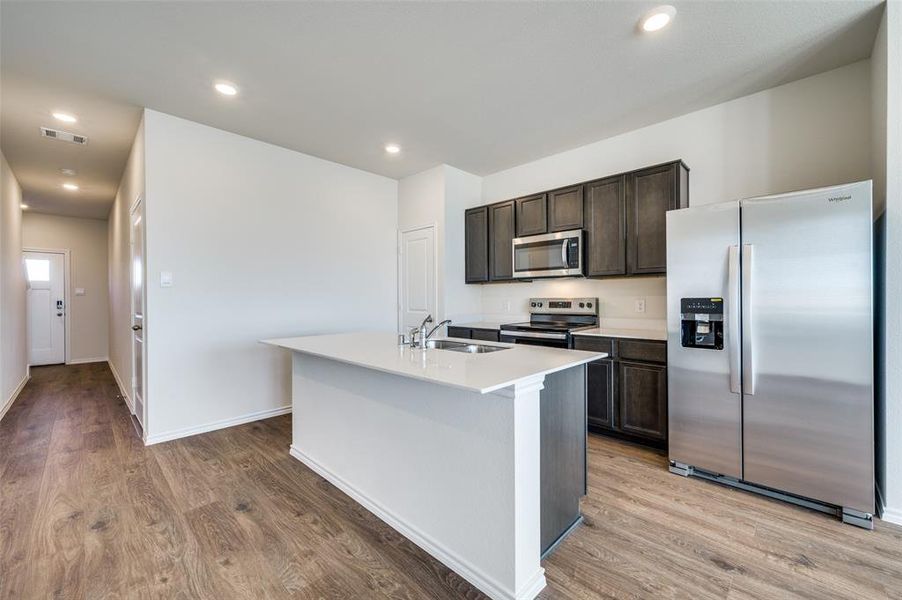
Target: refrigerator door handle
x=748 y=356
x=733 y=322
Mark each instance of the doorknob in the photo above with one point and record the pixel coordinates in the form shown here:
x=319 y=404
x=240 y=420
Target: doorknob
x=137 y=328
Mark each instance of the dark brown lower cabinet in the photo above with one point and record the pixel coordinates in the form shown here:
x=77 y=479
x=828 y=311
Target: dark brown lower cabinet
x=625 y=397
x=486 y=335
x=643 y=400
x=600 y=393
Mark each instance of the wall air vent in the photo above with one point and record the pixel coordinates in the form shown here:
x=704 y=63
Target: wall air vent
x=63 y=136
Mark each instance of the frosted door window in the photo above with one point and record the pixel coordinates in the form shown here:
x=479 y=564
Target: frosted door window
x=38 y=269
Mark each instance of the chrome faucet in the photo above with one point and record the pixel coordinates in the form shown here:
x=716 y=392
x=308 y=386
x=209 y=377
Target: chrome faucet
x=420 y=335
x=434 y=329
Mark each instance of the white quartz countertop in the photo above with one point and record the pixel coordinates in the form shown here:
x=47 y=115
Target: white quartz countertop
x=615 y=332
x=481 y=373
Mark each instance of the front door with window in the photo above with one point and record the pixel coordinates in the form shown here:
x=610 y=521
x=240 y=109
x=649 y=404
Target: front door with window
x=46 y=308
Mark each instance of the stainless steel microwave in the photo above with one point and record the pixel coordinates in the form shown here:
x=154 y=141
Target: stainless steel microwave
x=557 y=254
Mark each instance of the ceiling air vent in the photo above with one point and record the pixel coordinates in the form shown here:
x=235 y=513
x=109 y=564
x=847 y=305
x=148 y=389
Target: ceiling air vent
x=63 y=136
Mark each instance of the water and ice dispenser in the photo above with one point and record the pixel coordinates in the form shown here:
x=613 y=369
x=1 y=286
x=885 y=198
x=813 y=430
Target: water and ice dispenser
x=701 y=323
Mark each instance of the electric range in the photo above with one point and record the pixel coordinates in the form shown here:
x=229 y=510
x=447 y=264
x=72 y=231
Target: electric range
x=552 y=321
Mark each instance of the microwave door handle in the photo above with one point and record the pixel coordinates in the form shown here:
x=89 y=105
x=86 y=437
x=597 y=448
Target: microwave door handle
x=564 y=254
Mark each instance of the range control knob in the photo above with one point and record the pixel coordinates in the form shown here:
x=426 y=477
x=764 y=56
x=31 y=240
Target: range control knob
x=540 y=305
x=532 y=304
x=589 y=305
x=582 y=304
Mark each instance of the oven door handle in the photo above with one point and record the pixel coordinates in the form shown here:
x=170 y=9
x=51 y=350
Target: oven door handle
x=536 y=335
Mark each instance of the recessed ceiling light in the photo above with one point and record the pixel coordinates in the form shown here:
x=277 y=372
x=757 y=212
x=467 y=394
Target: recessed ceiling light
x=392 y=148
x=64 y=117
x=23 y=206
x=657 y=18
x=71 y=187
x=68 y=172
x=225 y=88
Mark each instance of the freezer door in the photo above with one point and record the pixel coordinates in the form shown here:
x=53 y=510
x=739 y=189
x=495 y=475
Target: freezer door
x=703 y=384
x=807 y=336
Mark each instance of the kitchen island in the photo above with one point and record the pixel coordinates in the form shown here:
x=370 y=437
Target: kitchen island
x=478 y=458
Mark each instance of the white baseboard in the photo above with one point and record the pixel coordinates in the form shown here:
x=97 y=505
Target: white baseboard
x=487 y=585
x=892 y=515
x=84 y=361
x=16 y=392
x=122 y=389
x=189 y=431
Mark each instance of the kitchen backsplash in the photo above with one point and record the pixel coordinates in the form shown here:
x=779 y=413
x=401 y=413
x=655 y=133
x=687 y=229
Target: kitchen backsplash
x=618 y=299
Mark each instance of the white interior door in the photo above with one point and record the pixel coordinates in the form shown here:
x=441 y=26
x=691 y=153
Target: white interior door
x=46 y=307
x=417 y=277
x=137 y=274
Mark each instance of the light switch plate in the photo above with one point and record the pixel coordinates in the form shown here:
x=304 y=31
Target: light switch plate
x=165 y=278
x=79 y=291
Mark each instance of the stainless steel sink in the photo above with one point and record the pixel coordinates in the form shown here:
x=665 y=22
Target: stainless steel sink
x=462 y=346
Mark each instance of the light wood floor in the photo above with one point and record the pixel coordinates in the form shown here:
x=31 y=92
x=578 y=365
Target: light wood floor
x=87 y=511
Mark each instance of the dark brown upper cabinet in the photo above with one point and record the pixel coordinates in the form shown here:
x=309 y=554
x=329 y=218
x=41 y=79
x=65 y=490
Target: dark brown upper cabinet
x=605 y=216
x=565 y=209
x=502 y=229
x=624 y=217
x=476 y=257
x=650 y=193
x=532 y=215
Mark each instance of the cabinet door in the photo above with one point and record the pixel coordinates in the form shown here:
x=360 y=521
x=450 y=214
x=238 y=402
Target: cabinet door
x=501 y=237
x=486 y=335
x=643 y=400
x=605 y=216
x=476 y=257
x=532 y=216
x=650 y=194
x=565 y=209
x=459 y=332
x=600 y=393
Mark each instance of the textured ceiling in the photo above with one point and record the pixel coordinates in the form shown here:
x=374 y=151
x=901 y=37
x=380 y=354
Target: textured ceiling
x=481 y=86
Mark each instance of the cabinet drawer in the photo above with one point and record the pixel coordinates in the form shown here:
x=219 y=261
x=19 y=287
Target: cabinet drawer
x=487 y=335
x=643 y=350
x=460 y=332
x=593 y=344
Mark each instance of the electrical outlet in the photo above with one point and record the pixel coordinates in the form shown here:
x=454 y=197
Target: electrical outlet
x=507 y=306
x=640 y=305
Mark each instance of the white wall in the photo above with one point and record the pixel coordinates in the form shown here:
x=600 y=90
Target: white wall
x=439 y=196
x=86 y=240
x=262 y=242
x=131 y=187
x=421 y=202
x=13 y=350
x=887 y=156
x=462 y=190
x=807 y=133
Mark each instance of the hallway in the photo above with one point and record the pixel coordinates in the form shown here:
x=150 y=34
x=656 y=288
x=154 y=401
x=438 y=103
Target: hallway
x=87 y=511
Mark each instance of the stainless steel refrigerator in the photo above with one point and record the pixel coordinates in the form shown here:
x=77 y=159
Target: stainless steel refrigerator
x=770 y=351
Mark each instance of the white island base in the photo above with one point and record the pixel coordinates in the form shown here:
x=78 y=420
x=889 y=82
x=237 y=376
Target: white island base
x=455 y=470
